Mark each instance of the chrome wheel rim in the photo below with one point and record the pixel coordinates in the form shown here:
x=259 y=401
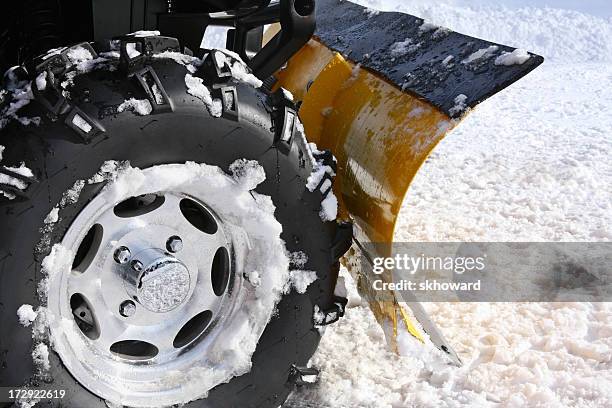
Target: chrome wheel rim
x=124 y=329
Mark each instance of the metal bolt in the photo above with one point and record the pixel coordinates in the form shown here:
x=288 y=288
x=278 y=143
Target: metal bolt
x=137 y=266
x=122 y=255
x=127 y=308
x=174 y=244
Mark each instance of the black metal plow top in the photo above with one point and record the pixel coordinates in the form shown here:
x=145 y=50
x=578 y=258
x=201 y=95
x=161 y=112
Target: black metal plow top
x=450 y=70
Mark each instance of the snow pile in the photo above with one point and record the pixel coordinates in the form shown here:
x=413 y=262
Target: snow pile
x=140 y=107
x=515 y=354
x=259 y=252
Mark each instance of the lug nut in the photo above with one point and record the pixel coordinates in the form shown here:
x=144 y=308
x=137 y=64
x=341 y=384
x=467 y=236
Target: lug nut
x=174 y=244
x=122 y=255
x=127 y=308
x=137 y=266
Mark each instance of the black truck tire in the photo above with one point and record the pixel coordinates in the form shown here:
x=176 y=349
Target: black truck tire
x=59 y=156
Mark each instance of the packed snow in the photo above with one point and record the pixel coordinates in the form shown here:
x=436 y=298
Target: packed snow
x=196 y=87
x=26 y=315
x=530 y=164
x=481 y=54
x=140 y=107
x=320 y=170
x=300 y=280
x=238 y=68
x=13 y=181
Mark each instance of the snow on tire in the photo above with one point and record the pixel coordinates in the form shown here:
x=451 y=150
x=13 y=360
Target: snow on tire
x=98 y=197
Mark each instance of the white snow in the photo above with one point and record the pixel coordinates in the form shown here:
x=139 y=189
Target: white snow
x=401 y=48
x=530 y=164
x=26 y=315
x=57 y=262
x=53 y=216
x=41 y=81
x=298 y=259
x=460 y=105
x=17 y=183
x=131 y=50
x=196 y=87
x=72 y=195
x=371 y=12
x=447 y=60
x=427 y=27
x=20 y=95
x=238 y=68
x=40 y=355
x=145 y=33
x=329 y=207
x=516 y=57
x=287 y=94
x=300 y=280
x=78 y=55
x=140 y=107
x=481 y=54
x=179 y=58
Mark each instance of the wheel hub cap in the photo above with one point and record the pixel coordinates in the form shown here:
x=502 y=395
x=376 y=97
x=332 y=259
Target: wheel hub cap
x=161 y=284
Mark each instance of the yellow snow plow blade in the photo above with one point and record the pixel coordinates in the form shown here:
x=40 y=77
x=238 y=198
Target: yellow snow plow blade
x=403 y=85
x=379 y=135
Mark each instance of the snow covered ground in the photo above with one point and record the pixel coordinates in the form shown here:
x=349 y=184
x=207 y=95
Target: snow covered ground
x=532 y=164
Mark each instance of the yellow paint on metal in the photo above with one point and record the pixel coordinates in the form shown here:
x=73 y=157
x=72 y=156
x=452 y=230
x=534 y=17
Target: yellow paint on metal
x=380 y=136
